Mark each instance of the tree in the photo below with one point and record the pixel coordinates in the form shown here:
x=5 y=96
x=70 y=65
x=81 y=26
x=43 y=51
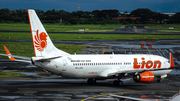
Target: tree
x=144 y=14
x=159 y=17
x=5 y=15
x=85 y=17
x=175 y=18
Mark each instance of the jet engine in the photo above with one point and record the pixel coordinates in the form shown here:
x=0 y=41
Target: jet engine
x=144 y=77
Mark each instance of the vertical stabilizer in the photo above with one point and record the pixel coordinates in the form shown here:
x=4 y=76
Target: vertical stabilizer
x=42 y=43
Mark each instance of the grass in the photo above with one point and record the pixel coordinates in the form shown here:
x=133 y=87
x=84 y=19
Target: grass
x=169 y=30
x=14 y=27
x=26 y=48
x=15 y=36
x=8 y=74
x=163 y=26
x=78 y=37
x=58 y=28
x=18 y=48
x=109 y=36
x=75 y=28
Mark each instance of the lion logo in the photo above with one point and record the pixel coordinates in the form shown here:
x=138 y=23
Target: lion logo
x=40 y=41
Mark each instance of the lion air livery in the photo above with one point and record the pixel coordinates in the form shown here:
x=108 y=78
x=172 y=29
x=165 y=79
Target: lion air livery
x=140 y=67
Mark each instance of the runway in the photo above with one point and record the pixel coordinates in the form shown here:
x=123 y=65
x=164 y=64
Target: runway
x=41 y=86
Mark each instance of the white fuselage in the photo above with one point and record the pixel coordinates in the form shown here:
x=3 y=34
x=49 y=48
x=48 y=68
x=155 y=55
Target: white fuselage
x=94 y=66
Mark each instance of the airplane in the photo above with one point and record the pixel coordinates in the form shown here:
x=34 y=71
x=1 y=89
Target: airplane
x=140 y=67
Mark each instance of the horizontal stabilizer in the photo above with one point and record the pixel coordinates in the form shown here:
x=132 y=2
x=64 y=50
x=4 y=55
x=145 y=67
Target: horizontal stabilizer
x=44 y=58
x=12 y=57
x=15 y=56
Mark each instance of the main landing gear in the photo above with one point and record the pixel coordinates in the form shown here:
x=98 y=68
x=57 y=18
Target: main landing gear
x=159 y=80
x=91 y=81
x=117 y=82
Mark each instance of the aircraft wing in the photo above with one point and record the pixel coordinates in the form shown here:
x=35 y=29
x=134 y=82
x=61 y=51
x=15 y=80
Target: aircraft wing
x=126 y=72
x=12 y=57
x=115 y=72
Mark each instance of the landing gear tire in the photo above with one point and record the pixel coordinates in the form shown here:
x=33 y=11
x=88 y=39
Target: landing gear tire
x=91 y=81
x=117 y=83
x=159 y=80
x=120 y=83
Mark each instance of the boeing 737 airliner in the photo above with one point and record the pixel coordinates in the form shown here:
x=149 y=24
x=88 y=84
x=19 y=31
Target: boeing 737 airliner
x=140 y=67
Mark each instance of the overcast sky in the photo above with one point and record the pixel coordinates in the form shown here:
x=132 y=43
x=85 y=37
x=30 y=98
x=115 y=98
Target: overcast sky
x=166 y=6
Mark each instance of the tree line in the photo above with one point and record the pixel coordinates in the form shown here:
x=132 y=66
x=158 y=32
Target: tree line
x=86 y=17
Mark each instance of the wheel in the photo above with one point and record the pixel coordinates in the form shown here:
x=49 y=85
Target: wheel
x=116 y=83
x=122 y=99
x=120 y=83
x=159 y=80
x=91 y=81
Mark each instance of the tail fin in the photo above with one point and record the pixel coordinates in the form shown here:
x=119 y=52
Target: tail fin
x=42 y=43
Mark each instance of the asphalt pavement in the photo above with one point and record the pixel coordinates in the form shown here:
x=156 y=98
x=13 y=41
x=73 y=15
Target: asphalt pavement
x=41 y=86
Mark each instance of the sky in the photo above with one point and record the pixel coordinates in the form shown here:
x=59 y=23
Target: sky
x=164 y=6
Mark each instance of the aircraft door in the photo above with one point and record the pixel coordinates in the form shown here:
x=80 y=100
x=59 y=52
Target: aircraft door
x=123 y=65
x=80 y=72
x=64 y=65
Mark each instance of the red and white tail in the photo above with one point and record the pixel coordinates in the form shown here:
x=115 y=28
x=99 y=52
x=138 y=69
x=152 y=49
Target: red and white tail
x=42 y=43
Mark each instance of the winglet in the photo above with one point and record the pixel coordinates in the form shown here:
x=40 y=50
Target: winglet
x=8 y=53
x=171 y=61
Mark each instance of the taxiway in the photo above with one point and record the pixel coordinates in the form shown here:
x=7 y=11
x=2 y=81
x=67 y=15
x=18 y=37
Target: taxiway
x=42 y=86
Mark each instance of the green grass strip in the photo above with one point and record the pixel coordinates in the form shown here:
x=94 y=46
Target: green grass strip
x=26 y=48
x=58 y=28
x=163 y=26
x=9 y=74
x=169 y=31
x=79 y=37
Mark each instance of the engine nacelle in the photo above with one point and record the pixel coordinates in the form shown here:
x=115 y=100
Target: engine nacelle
x=144 y=77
